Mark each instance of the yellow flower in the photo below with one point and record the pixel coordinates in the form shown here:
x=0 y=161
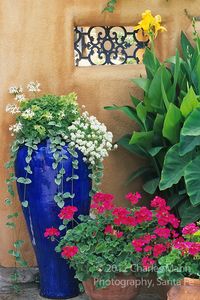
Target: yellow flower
x=149 y=24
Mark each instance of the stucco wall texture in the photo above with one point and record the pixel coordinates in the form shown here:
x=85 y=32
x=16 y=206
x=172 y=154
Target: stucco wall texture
x=36 y=43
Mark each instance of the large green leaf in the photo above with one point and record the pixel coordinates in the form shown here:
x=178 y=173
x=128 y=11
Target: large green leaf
x=155 y=92
x=151 y=63
x=128 y=110
x=191 y=126
x=172 y=124
x=155 y=150
x=141 y=112
x=187 y=48
x=188 y=143
x=134 y=149
x=189 y=103
x=151 y=185
x=158 y=124
x=138 y=173
x=143 y=139
x=192 y=180
x=197 y=73
x=143 y=83
x=188 y=213
x=135 y=100
x=174 y=167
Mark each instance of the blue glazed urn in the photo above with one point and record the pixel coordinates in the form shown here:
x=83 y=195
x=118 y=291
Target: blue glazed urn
x=56 y=277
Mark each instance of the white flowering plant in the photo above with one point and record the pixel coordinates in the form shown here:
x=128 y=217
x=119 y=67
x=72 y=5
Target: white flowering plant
x=59 y=119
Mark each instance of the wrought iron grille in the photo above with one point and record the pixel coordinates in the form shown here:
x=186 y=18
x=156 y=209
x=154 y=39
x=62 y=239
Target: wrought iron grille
x=108 y=45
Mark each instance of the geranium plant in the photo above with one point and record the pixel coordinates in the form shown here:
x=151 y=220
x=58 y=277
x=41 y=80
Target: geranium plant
x=59 y=120
x=116 y=239
x=184 y=258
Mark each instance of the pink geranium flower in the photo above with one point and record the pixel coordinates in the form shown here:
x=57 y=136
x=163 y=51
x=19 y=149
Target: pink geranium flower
x=67 y=213
x=147 y=262
x=190 y=229
x=51 y=232
x=133 y=198
x=69 y=251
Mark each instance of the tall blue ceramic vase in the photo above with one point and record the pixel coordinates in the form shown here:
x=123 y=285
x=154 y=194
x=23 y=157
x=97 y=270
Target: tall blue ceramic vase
x=56 y=278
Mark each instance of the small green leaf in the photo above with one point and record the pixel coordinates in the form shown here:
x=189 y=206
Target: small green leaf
x=8 y=202
x=54 y=166
x=58 y=181
x=11 y=225
x=18 y=244
x=25 y=203
x=24 y=180
x=14 y=215
x=62 y=227
x=28 y=169
x=14 y=253
x=61 y=204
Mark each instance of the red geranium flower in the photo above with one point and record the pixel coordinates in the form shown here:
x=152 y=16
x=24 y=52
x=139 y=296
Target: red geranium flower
x=162 y=232
x=67 y=213
x=102 y=202
x=69 y=251
x=147 y=262
x=158 y=249
x=133 y=198
x=51 y=232
x=143 y=215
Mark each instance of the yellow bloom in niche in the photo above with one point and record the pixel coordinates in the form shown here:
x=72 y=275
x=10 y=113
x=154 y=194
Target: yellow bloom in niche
x=149 y=24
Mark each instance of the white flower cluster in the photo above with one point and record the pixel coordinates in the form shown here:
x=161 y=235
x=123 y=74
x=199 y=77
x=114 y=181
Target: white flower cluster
x=91 y=137
x=33 y=86
x=15 y=128
x=20 y=97
x=15 y=90
x=12 y=108
x=28 y=114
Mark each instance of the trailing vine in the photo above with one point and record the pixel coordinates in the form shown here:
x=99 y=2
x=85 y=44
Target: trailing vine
x=59 y=120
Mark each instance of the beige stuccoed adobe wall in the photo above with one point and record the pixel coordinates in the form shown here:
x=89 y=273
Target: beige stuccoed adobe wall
x=36 y=43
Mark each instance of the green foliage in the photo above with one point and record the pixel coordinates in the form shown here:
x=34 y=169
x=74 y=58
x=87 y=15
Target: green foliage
x=110 y=7
x=51 y=116
x=169 y=132
x=180 y=263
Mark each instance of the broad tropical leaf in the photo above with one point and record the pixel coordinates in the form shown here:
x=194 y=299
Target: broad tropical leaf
x=151 y=64
x=134 y=149
x=174 y=167
x=155 y=92
x=143 y=139
x=192 y=181
x=188 y=143
x=143 y=83
x=128 y=110
x=151 y=185
x=191 y=126
x=138 y=173
x=188 y=213
x=172 y=124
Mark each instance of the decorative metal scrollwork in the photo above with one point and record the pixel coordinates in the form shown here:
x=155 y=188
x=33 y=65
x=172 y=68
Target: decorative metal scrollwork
x=108 y=45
